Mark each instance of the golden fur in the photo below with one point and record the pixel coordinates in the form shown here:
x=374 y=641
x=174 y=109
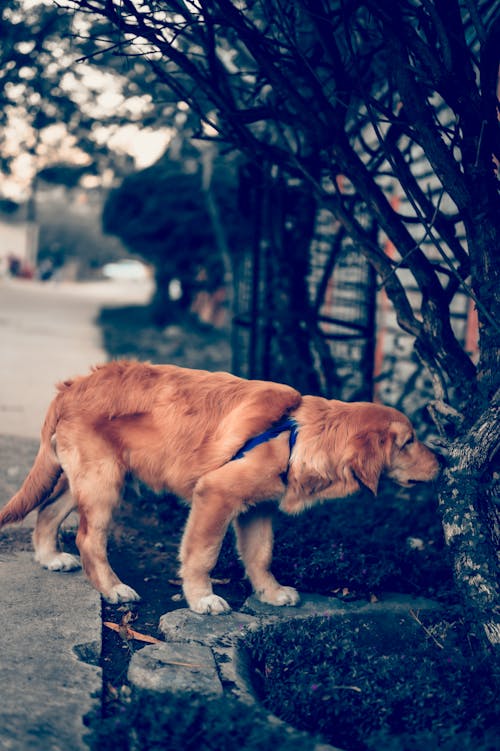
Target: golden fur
x=178 y=429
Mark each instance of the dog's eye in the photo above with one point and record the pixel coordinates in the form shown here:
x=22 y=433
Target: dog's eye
x=407 y=443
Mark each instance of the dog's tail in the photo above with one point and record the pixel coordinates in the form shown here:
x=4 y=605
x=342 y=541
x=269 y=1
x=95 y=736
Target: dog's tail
x=42 y=478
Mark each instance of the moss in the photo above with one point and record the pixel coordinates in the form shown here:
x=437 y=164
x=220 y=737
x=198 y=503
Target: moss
x=378 y=682
x=361 y=544
x=153 y=722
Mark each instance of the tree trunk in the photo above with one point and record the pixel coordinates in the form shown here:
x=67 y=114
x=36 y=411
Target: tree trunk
x=162 y=307
x=298 y=347
x=470 y=522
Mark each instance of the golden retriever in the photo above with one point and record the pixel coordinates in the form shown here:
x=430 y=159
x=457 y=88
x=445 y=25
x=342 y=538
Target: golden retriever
x=222 y=443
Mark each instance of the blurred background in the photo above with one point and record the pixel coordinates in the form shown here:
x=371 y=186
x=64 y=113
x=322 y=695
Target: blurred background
x=116 y=167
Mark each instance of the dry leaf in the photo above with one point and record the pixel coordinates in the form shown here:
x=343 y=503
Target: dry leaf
x=112 y=691
x=129 y=633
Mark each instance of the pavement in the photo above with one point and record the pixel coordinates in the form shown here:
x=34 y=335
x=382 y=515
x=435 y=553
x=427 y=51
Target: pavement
x=50 y=622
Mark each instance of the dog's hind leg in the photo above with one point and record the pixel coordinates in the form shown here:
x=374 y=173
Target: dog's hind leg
x=254 y=535
x=45 y=535
x=97 y=491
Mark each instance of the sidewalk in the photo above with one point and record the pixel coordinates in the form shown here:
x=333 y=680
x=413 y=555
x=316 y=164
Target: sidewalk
x=48 y=621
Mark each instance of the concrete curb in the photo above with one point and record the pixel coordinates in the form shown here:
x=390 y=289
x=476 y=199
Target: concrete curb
x=51 y=634
x=48 y=627
x=218 y=641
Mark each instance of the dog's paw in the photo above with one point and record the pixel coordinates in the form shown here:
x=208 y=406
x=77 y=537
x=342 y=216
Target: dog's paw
x=121 y=593
x=62 y=562
x=210 y=604
x=280 y=596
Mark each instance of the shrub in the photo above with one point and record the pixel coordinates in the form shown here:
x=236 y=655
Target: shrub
x=377 y=682
x=361 y=544
x=167 y=722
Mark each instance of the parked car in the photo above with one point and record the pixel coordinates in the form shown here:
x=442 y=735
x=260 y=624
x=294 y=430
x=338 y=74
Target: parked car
x=128 y=269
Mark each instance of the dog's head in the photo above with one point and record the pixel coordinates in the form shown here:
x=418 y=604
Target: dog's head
x=386 y=444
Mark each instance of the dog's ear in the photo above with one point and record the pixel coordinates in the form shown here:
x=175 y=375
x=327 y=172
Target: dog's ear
x=366 y=458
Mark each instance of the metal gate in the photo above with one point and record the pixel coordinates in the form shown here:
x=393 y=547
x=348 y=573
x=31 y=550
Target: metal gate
x=341 y=290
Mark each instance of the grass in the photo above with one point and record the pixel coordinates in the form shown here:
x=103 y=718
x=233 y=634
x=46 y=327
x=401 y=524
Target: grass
x=170 y=722
x=383 y=682
x=365 y=545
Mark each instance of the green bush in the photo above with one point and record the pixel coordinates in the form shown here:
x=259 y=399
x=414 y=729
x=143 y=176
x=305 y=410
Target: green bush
x=377 y=682
x=361 y=544
x=167 y=722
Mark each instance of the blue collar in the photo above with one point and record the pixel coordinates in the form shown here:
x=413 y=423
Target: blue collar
x=286 y=423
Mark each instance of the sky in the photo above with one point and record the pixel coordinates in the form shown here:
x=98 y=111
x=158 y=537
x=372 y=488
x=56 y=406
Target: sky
x=144 y=145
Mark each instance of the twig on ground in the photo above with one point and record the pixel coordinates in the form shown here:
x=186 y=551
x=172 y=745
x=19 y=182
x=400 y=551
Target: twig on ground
x=429 y=633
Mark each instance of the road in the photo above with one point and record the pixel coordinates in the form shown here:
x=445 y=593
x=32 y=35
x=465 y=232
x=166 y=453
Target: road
x=47 y=334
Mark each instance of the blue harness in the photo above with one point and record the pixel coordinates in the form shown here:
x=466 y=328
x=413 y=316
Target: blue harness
x=286 y=423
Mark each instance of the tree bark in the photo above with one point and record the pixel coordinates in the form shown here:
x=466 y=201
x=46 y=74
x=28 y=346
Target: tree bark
x=470 y=521
x=162 y=307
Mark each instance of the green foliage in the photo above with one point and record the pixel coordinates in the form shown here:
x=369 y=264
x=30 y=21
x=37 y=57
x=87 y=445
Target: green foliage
x=69 y=234
x=362 y=544
x=167 y=217
x=37 y=49
x=169 y=722
x=367 y=683
x=7 y=206
x=64 y=174
x=42 y=85
x=162 y=214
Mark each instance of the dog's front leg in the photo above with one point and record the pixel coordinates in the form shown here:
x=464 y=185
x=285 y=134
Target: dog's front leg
x=254 y=534
x=211 y=513
x=218 y=499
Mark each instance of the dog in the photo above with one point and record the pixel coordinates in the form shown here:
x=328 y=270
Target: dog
x=224 y=444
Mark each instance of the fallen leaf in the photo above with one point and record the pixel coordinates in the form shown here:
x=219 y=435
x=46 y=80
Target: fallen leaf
x=112 y=691
x=129 y=633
